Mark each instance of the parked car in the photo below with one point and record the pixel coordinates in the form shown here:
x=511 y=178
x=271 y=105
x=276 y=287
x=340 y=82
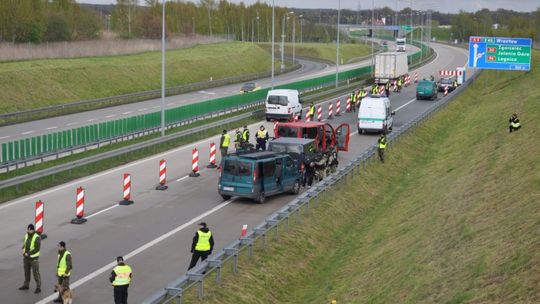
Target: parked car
x=426 y=89
x=258 y=175
x=249 y=87
x=446 y=82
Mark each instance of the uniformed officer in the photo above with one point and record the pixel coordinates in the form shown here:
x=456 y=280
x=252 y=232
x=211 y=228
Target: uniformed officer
x=245 y=134
x=381 y=146
x=262 y=138
x=311 y=112
x=120 y=279
x=31 y=248
x=224 y=143
x=514 y=123
x=202 y=245
x=63 y=268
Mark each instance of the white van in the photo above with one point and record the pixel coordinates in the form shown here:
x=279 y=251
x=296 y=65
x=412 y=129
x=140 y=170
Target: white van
x=282 y=105
x=375 y=114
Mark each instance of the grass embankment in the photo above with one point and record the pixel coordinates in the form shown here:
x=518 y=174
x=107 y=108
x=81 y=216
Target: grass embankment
x=38 y=83
x=323 y=51
x=452 y=216
x=441 y=34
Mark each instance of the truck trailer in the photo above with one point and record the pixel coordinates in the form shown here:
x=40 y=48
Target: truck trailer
x=390 y=66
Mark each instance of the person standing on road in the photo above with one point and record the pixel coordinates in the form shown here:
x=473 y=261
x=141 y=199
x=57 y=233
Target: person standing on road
x=514 y=123
x=262 y=138
x=245 y=134
x=202 y=246
x=224 y=143
x=31 y=248
x=353 y=101
x=120 y=279
x=237 y=140
x=381 y=142
x=311 y=112
x=63 y=268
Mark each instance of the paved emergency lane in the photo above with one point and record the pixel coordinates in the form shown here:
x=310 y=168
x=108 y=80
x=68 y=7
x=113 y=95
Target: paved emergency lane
x=309 y=69
x=125 y=229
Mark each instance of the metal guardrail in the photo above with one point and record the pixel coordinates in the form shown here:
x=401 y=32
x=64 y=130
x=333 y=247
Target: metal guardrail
x=145 y=95
x=293 y=210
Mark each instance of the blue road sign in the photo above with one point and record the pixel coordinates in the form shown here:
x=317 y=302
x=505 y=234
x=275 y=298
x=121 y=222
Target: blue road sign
x=500 y=53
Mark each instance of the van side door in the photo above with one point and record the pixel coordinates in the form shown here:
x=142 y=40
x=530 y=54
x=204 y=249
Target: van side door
x=268 y=176
x=290 y=173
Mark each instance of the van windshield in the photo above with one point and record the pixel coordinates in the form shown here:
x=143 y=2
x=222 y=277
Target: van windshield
x=237 y=168
x=278 y=100
x=284 y=131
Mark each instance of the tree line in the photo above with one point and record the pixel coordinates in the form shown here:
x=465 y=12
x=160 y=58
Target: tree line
x=46 y=20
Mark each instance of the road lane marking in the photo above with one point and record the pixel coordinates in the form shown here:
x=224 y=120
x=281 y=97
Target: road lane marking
x=143 y=109
x=406 y=104
x=72 y=123
x=110 y=116
x=104 y=210
x=51 y=128
x=126 y=113
x=91 y=119
x=4 y=137
x=170 y=104
x=135 y=252
x=156 y=107
x=27 y=132
x=182 y=178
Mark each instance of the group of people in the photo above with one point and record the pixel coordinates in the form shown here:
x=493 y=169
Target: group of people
x=120 y=275
x=241 y=140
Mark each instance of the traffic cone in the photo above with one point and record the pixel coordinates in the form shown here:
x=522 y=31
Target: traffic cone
x=244 y=230
x=127 y=190
x=194 y=163
x=445 y=90
x=162 y=176
x=330 y=110
x=212 y=156
x=338 y=107
x=40 y=219
x=319 y=113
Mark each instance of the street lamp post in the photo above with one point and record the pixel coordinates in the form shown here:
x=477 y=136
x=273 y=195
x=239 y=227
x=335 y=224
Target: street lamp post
x=337 y=43
x=301 y=28
x=163 y=70
x=293 y=38
x=273 y=39
x=258 y=36
x=283 y=43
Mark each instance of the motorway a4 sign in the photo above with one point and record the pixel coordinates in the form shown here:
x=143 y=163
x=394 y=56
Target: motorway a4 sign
x=500 y=53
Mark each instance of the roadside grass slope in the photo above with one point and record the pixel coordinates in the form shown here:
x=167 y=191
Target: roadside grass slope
x=324 y=51
x=452 y=216
x=37 y=83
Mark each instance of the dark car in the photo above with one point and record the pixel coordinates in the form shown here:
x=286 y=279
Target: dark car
x=446 y=82
x=249 y=87
x=426 y=89
x=298 y=148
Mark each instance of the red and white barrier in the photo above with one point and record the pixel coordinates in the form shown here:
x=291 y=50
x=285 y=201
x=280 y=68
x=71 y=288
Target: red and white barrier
x=295 y=119
x=445 y=91
x=319 y=113
x=162 y=176
x=338 y=107
x=244 y=230
x=407 y=80
x=127 y=190
x=348 y=106
x=194 y=163
x=212 y=156
x=79 y=207
x=381 y=90
x=40 y=218
x=330 y=110
x=415 y=77
x=450 y=73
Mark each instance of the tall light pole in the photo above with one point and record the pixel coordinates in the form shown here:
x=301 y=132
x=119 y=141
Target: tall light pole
x=163 y=70
x=301 y=28
x=337 y=43
x=293 y=38
x=258 y=37
x=283 y=43
x=372 y=35
x=273 y=38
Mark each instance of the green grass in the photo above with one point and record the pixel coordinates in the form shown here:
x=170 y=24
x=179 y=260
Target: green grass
x=441 y=34
x=38 y=83
x=324 y=51
x=452 y=216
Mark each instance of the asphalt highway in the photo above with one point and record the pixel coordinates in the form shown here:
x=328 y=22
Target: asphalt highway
x=309 y=69
x=155 y=233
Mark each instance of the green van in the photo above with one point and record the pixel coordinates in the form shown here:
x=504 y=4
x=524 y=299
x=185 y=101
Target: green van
x=257 y=175
x=426 y=89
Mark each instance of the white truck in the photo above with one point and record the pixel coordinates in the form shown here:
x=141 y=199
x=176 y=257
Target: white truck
x=390 y=66
x=401 y=44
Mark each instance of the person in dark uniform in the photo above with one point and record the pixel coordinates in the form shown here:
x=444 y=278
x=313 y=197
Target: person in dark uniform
x=514 y=123
x=202 y=245
x=31 y=248
x=121 y=278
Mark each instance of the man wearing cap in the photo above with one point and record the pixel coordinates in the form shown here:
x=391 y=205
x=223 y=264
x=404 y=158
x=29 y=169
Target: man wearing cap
x=262 y=138
x=63 y=268
x=120 y=279
x=202 y=246
x=31 y=248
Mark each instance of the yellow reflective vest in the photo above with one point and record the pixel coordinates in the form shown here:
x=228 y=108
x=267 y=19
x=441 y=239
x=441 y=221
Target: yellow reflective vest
x=311 y=110
x=62 y=265
x=123 y=275
x=262 y=134
x=226 y=141
x=32 y=244
x=203 y=244
x=382 y=143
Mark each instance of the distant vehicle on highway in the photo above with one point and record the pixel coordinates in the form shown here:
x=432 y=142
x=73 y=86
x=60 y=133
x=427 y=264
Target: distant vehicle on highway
x=375 y=114
x=446 y=82
x=426 y=89
x=389 y=66
x=401 y=44
x=258 y=175
x=249 y=87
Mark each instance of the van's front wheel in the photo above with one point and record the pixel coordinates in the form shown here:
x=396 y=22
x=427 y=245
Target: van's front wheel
x=226 y=197
x=296 y=187
x=260 y=198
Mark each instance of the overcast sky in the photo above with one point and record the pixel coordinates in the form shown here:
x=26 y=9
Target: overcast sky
x=452 y=6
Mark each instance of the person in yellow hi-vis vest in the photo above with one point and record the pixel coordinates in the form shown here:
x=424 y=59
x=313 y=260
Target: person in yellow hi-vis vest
x=224 y=143
x=121 y=278
x=64 y=265
x=381 y=142
x=202 y=246
x=31 y=248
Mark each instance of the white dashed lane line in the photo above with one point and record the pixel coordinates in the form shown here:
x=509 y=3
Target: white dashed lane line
x=27 y=132
x=51 y=128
